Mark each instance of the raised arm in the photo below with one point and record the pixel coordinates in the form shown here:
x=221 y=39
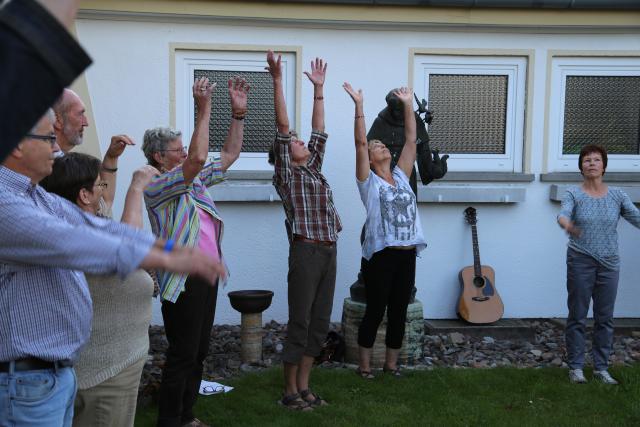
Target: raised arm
x=132 y=212
x=282 y=120
x=238 y=89
x=318 y=72
x=109 y=169
x=359 y=134
x=199 y=146
x=408 y=155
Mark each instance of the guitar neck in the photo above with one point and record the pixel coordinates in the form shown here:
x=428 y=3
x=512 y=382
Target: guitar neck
x=477 y=270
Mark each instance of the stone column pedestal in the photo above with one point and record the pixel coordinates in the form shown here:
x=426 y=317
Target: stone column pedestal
x=251 y=337
x=352 y=314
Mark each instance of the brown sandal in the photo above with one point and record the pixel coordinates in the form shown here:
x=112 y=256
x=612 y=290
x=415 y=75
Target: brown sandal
x=295 y=402
x=367 y=375
x=317 y=400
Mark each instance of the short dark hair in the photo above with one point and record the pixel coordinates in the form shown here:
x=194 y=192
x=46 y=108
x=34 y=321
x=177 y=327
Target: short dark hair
x=593 y=148
x=71 y=173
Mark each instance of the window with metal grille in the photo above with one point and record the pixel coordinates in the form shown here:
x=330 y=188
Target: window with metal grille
x=594 y=100
x=603 y=110
x=220 y=65
x=259 y=125
x=478 y=111
x=471 y=112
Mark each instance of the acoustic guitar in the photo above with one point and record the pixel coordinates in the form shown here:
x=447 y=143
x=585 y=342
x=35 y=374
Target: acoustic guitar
x=479 y=300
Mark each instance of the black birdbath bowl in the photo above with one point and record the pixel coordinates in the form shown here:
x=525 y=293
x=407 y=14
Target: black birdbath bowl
x=250 y=304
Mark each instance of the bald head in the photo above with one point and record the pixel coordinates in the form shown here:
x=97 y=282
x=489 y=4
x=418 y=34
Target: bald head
x=70 y=120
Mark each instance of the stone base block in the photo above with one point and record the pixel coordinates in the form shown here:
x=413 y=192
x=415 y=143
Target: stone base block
x=352 y=314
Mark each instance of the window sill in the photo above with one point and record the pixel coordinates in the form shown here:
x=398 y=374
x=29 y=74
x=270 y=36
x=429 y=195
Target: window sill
x=470 y=193
x=255 y=186
x=245 y=186
x=556 y=192
x=487 y=177
x=577 y=177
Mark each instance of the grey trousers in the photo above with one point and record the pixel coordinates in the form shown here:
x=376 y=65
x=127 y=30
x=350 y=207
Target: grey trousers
x=311 y=281
x=587 y=279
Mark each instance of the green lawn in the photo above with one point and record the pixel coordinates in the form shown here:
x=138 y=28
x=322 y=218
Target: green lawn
x=441 y=397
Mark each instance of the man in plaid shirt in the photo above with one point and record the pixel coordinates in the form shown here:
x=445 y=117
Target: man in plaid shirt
x=312 y=226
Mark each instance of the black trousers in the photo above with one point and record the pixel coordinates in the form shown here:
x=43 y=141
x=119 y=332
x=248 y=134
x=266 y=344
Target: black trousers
x=187 y=324
x=388 y=279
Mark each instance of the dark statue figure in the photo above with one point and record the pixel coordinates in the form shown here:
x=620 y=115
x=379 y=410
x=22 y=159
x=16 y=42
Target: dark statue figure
x=388 y=128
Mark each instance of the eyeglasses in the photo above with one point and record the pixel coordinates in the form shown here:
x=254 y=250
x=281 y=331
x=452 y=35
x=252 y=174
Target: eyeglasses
x=102 y=185
x=183 y=149
x=51 y=139
x=211 y=390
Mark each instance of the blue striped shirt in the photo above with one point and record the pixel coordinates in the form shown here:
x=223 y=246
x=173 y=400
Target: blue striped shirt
x=46 y=243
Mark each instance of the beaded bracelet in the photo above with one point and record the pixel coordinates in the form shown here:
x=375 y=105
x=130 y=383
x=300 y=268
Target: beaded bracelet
x=360 y=116
x=318 y=98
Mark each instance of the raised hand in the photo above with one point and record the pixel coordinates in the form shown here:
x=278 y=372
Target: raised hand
x=193 y=261
x=202 y=91
x=404 y=94
x=318 y=71
x=238 y=90
x=357 y=97
x=143 y=176
x=117 y=145
x=274 y=65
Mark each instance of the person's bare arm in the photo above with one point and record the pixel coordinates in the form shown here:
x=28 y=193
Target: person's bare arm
x=199 y=146
x=108 y=171
x=408 y=155
x=359 y=133
x=132 y=212
x=282 y=119
x=238 y=89
x=317 y=76
x=63 y=10
x=184 y=260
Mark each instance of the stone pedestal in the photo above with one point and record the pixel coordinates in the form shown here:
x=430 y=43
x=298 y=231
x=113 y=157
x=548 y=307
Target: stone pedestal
x=251 y=338
x=352 y=314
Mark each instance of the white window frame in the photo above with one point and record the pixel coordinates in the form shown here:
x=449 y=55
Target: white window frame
x=561 y=67
x=515 y=68
x=187 y=61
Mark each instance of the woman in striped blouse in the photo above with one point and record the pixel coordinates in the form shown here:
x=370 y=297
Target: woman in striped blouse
x=181 y=209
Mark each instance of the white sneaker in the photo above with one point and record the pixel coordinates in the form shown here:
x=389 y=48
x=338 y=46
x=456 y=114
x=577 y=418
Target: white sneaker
x=604 y=377
x=576 y=376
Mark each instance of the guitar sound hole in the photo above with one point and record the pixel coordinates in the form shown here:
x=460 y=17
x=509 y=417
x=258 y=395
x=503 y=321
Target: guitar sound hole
x=480 y=299
x=478 y=282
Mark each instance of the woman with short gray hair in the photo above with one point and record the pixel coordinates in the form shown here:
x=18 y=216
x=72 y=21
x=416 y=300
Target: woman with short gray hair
x=182 y=211
x=156 y=141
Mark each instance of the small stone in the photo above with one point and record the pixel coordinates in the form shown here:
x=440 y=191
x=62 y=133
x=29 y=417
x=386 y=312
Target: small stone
x=456 y=338
x=536 y=353
x=279 y=347
x=488 y=340
x=557 y=362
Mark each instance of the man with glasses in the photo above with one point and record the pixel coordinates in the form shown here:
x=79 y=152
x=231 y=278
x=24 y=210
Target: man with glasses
x=45 y=305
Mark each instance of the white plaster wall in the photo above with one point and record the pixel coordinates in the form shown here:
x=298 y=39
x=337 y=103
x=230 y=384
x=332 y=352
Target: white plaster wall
x=129 y=86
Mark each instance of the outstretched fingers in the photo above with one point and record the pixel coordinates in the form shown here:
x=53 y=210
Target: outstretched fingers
x=404 y=94
x=355 y=95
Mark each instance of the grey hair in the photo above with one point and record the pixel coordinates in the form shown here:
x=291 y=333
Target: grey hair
x=156 y=139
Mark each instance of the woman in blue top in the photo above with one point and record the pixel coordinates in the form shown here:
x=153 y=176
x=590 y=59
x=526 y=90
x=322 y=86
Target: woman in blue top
x=590 y=215
x=393 y=234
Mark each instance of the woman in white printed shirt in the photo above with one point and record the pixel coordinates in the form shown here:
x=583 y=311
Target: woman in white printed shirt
x=393 y=234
